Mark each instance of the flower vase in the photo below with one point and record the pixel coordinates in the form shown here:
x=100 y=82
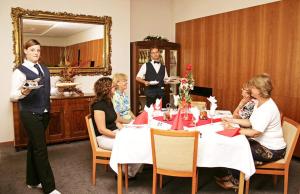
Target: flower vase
x=186 y=112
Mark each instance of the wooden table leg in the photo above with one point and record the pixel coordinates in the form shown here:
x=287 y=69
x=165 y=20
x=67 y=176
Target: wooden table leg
x=241 y=184
x=119 y=178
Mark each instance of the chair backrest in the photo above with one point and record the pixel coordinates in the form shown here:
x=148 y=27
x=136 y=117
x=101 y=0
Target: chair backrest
x=200 y=104
x=174 y=151
x=291 y=130
x=91 y=130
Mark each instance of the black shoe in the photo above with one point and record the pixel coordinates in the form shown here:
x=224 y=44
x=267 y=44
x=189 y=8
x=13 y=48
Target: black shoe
x=129 y=178
x=132 y=178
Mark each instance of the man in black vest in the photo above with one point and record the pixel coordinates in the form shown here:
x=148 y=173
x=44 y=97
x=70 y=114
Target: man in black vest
x=152 y=75
x=34 y=105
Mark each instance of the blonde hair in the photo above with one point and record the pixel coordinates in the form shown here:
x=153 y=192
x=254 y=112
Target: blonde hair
x=117 y=77
x=246 y=87
x=263 y=83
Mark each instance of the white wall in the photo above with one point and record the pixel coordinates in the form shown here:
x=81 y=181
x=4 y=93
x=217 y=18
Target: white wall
x=150 y=18
x=119 y=10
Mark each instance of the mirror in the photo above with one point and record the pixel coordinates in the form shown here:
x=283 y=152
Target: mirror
x=79 y=41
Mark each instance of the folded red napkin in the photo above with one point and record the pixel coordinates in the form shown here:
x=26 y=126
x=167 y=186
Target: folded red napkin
x=177 y=123
x=230 y=132
x=141 y=119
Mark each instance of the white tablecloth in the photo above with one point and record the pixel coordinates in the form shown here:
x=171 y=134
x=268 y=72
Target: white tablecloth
x=133 y=145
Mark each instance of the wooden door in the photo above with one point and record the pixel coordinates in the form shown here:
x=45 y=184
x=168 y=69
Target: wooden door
x=55 y=130
x=75 y=112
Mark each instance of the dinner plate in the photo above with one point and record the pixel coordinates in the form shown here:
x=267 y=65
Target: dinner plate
x=134 y=125
x=33 y=87
x=66 y=84
x=153 y=82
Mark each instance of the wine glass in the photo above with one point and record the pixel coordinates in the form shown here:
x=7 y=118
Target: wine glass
x=196 y=114
x=211 y=115
x=195 y=121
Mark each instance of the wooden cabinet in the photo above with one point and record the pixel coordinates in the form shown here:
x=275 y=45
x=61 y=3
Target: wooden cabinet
x=140 y=54
x=67 y=122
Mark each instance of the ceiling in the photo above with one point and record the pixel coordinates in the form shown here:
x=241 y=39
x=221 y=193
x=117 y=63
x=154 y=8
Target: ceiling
x=47 y=28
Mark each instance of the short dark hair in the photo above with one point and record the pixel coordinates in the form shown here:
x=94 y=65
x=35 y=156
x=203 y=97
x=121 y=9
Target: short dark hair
x=31 y=42
x=154 y=47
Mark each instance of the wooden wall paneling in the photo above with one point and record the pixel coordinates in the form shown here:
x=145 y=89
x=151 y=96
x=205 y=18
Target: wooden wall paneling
x=50 y=55
x=100 y=54
x=89 y=51
x=228 y=49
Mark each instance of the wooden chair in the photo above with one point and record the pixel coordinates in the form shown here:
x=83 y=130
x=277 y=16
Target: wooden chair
x=201 y=105
x=100 y=156
x=174 y=153
x=291 y=130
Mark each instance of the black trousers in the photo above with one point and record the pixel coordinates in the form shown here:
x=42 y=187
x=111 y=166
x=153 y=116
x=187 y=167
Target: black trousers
x=155 y=93
x=38 y=166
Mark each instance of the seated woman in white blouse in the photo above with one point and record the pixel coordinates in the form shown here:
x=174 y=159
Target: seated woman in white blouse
x=263 y=128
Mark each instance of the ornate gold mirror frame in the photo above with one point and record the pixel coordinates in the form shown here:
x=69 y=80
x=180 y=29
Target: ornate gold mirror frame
x=18 y=14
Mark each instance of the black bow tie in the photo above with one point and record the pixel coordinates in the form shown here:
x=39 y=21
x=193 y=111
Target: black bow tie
x=156 y=62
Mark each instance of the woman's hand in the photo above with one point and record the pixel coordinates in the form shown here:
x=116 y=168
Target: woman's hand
x=119 y=125
x=244 y=101
x=228 y=120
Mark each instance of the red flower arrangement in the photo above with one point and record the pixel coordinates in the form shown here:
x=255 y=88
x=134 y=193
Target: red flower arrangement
x=186 y=84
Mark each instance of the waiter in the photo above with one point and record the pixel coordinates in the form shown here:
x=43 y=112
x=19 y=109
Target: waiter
x=152 y=75
x=34 y=105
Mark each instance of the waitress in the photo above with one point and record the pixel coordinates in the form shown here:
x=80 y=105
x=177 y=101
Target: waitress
x=34 y=106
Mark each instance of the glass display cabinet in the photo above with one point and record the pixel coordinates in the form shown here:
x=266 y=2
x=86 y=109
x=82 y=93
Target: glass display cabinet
x=140 y=54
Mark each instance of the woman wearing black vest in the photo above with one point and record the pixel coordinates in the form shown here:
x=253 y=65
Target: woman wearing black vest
x=34 y=105
x=149 y=73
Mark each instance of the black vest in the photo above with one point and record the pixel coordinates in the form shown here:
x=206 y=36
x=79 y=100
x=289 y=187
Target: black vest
x=38 y=99
x=151 y=74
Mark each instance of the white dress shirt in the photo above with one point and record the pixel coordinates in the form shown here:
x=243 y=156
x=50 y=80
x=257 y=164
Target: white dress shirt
x=156 y=66
x=19 y=79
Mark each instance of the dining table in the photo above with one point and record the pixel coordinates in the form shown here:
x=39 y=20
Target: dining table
x=133 y=145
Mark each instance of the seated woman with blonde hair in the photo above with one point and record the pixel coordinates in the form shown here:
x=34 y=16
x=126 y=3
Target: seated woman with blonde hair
x=120 y=99
x=246 y=105
x=263 y=128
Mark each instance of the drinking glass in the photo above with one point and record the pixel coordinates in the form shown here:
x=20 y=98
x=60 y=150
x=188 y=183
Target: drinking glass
x=211 y=115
